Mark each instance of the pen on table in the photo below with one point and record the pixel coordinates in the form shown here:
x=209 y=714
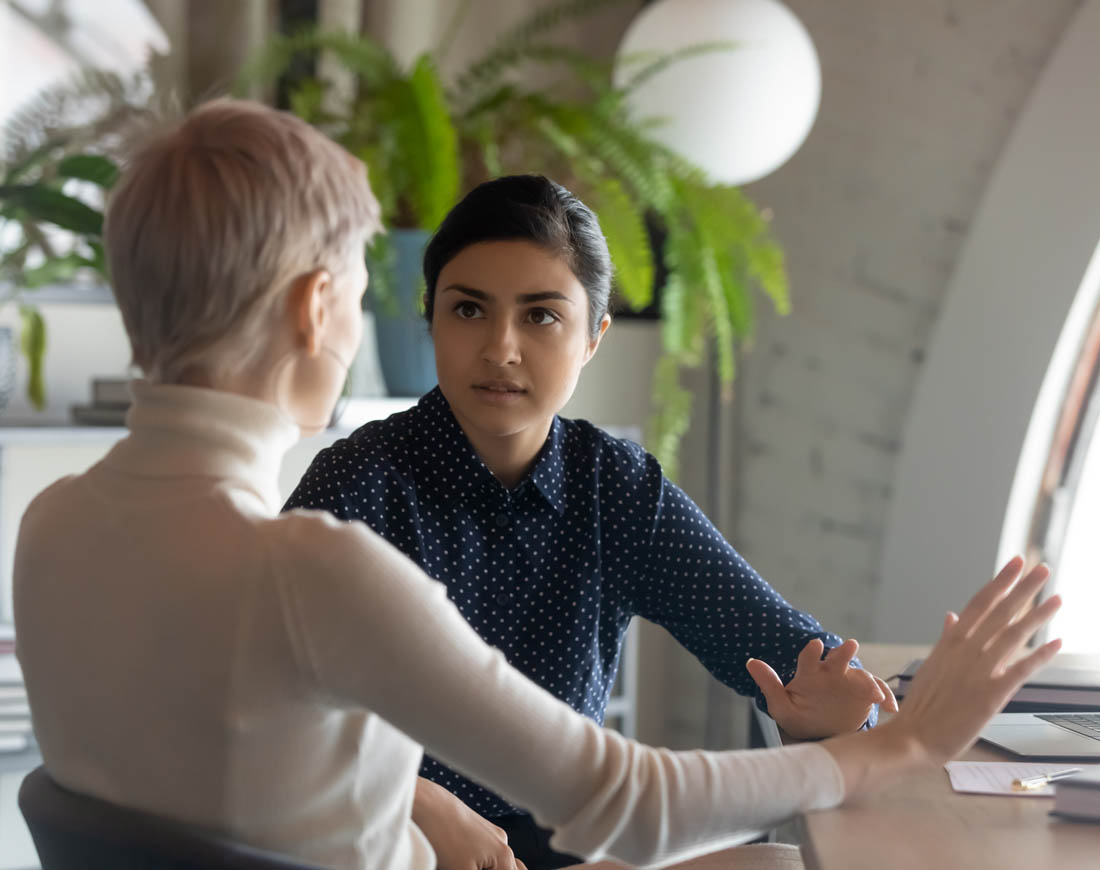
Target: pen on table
x=1042 y=779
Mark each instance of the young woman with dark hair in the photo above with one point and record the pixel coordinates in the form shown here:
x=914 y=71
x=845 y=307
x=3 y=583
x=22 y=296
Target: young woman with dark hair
x=550 y=534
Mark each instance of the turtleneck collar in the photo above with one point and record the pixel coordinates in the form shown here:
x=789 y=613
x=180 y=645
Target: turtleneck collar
x=183 y=431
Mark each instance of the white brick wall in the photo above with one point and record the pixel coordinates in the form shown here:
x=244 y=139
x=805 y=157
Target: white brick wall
x=918 y=99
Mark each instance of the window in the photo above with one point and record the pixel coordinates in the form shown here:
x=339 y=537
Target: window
x=45 y=41
x=1065 y=529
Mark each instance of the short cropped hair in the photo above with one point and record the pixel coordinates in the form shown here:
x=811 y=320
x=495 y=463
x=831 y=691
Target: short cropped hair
x=529 y=208
x=214 y=218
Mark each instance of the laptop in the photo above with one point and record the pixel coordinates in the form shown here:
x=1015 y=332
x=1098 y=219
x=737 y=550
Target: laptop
x=1042 y=736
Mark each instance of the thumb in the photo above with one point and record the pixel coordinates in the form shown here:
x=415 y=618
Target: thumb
x=775 y=693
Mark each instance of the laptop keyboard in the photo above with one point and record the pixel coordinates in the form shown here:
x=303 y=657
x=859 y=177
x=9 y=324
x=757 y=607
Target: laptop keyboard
x=1087 y=724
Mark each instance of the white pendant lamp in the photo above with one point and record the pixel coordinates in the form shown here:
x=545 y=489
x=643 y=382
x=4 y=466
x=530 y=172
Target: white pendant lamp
x=738 y=114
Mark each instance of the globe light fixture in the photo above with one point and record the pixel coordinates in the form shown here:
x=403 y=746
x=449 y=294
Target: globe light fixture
x=738 y=113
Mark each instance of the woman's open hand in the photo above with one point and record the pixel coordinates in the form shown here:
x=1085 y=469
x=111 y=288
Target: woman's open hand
x=972 y=671
x=969 y=676
x=826 y=696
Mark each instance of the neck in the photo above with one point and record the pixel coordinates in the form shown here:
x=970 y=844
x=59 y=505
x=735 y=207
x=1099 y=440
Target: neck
x=254 y=383
x=508 y=457
x=243 y=384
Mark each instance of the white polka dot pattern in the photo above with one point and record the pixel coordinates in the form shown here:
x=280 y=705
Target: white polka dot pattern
x=552 y=571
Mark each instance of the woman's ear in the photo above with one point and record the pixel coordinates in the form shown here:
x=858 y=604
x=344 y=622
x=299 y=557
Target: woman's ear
x=594 y=343
x=307 y=310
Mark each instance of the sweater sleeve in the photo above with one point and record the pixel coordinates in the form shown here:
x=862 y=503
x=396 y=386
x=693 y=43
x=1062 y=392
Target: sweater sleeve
x=373 y=631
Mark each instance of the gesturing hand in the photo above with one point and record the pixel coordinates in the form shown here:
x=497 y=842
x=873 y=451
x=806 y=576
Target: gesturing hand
x=826 y=696
x=462 y=839
x=971 y=672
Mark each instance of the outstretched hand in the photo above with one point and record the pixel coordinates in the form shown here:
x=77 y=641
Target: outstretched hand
x=972 y=671
x=970 y=674
x=826 y=696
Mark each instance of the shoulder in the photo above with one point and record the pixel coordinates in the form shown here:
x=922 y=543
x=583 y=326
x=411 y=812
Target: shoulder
x=50 y=503
x=324 y=544
x=360 y=469
x=331 y=573
x=379 y=444
x=613 y=458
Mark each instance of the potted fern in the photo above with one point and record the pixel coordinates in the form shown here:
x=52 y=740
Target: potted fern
x=399 y=123
x=428 y=143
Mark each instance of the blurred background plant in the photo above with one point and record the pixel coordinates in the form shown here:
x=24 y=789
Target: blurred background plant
x=58 y=160
x=700 y=251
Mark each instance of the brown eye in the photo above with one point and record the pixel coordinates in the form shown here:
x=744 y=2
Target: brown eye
x=542 y=316
x=467 y=310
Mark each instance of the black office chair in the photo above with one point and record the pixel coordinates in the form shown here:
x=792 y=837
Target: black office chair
x=75 y=832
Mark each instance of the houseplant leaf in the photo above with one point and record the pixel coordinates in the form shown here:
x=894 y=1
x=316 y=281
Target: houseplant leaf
x=89 y=167
x=42 y=203
x=627 y=241
x=429 y=138
x=33 y=345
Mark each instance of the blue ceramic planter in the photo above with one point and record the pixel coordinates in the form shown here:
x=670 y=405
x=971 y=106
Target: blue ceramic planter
x=404 y=345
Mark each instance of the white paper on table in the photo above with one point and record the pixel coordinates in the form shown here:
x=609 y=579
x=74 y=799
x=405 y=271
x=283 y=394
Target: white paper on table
x=995 y=777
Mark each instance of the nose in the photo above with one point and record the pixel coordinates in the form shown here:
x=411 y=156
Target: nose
x=501 y=346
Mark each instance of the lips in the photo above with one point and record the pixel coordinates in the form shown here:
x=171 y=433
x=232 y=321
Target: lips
x=497 y=386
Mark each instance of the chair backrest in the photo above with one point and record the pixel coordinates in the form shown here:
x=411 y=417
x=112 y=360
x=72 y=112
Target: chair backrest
x=72 y=831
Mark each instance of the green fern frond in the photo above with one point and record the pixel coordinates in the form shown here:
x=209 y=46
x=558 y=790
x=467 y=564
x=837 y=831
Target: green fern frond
x=721 y=321
x=627 y=241
x=765 y=263
x=621 y=150
x=678 y=333
x=671 y=416
x=365 y=57
x=596 y=73
x=655 y=63
x=431 y=143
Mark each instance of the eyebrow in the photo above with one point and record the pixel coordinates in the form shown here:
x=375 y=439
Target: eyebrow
x=524 y=298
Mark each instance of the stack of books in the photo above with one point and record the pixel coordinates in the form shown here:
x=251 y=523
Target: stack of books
x=110 y=401
x=1077 y=797
x=1052 y=689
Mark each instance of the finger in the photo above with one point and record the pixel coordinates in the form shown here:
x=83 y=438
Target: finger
x=889 y=703
x=864 y=685
x=810 y=657
x=520 y=865
x=840 y=657
x=499 y=832
x=504 y=859
x=990 y=594
x=775 y=693
x=1007 y=611
x=1015 y=676
x=1015 y=635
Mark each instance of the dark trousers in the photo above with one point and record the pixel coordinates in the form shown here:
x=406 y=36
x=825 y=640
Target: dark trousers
x=531 y=844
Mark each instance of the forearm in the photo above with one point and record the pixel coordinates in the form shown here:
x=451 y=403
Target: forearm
x=426 y=800
x=604 y=795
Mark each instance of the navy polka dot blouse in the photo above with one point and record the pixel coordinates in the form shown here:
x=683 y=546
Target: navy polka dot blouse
x=552 y=571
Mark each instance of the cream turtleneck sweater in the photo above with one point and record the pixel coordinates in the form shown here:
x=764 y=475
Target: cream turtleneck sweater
x=190 y=652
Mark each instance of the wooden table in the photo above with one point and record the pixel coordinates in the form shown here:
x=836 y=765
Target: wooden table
x=921 y=824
